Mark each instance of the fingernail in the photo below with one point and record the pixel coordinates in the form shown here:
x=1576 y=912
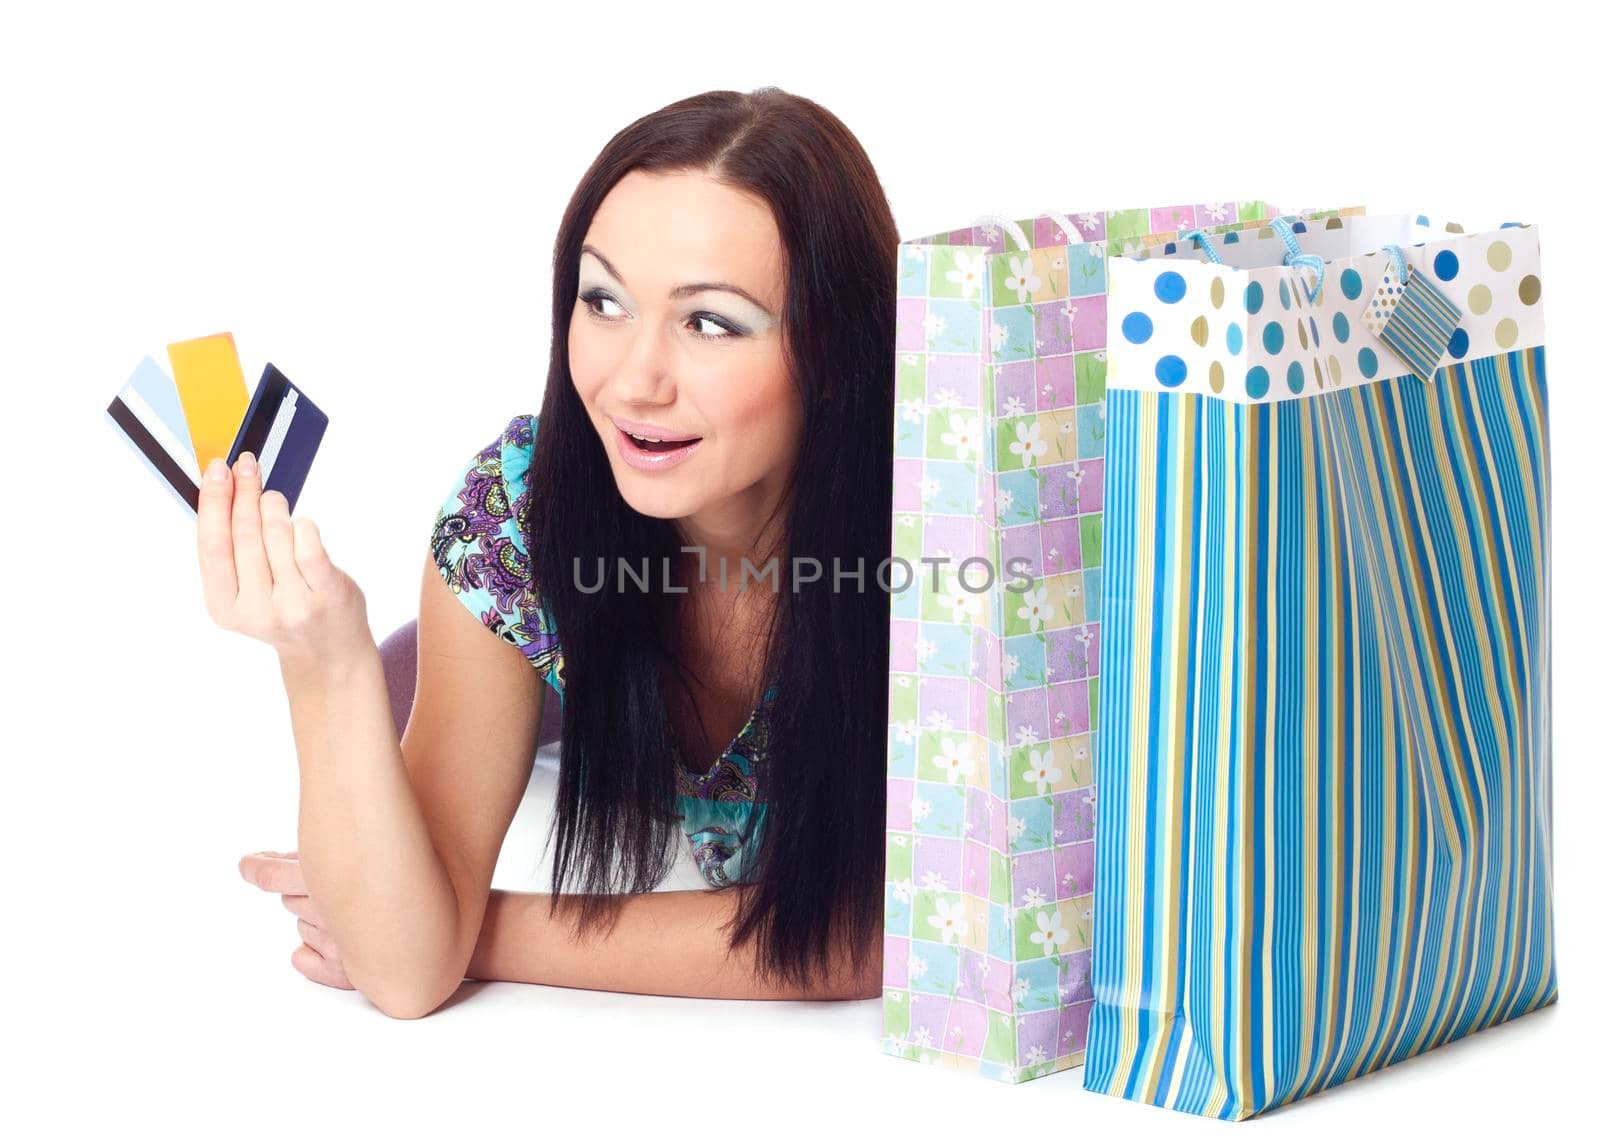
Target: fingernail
x=218 y=470
x=245 y=464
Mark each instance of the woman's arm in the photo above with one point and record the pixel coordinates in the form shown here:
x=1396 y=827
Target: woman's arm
x=664 y=942
x=365 y=849
x=399 y=838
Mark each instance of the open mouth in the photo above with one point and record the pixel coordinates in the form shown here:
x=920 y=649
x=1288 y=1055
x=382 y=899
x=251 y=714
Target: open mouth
x=644 y=443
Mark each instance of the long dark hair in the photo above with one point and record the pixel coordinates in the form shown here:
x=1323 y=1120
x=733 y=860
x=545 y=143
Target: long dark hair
x=815 y=878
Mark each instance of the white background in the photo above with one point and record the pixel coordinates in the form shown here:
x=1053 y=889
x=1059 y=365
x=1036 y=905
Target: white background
x=368 y=198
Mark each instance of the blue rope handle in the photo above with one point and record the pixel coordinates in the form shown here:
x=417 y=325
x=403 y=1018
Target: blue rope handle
x=1398 y=257
x=1284 y=226
x=1200 y=236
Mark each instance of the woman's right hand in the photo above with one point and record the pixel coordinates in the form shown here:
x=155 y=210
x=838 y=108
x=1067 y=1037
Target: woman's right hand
x=317 y=957
x=266 y=575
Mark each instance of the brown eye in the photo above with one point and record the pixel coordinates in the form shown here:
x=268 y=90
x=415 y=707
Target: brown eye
x=593 y=298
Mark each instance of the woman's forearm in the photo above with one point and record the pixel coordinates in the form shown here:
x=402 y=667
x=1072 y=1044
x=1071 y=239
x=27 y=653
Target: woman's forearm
x=664 y=942
x=365 y=849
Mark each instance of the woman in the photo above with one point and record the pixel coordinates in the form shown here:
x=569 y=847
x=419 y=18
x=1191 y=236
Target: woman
x=721 y=398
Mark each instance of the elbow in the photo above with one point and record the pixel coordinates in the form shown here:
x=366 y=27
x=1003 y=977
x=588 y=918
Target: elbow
x=405 y=1002
x=405 y=1005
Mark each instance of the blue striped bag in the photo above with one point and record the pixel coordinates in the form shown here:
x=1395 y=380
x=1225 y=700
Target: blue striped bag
x=1323 y=838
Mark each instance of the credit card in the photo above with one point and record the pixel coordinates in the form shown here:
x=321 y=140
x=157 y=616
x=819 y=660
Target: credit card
x=283 y=430
x=211 y=388
x=281 y=427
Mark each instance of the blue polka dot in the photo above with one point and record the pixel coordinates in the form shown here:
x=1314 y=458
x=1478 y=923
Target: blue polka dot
x=1350 y=282
x=1299 y=227
x=1253 y=296
x=1235 y=339
x=1170 y=287
x=1172 y=247
x=1459 y=341
x=1171 y=371
x=1422 y=219
x=1137 y=327
x=1316 y=338
x=1272 y=337
x=1445 y=266
x=1256 y=381
x=1283 y=293
x=1230 y=238
x=1341 y=327
x=1297 y=377
x=1368 y=360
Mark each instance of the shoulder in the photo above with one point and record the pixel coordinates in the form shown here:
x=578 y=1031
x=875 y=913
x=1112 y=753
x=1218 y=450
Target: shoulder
x=480 y=549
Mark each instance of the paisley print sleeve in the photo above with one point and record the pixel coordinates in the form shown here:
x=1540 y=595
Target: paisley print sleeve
x=481 y=552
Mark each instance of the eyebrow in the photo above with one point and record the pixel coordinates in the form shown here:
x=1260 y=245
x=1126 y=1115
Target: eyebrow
x=686 y=289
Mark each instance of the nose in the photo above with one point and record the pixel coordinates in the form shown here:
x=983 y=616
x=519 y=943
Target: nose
x=643 y=372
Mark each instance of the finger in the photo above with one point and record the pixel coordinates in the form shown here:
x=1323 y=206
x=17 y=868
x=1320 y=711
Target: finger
x=249 y=552
x=215 y=539
x=274 y=874
x=315 y=566
x=277 y=535
x=319 y=969
x=304 y=906
x=319 y=938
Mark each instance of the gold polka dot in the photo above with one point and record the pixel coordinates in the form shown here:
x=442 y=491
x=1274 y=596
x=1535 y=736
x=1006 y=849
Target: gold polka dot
x=1479 y=299
x=1216 y=377
x=1334 y=370
x=1200 y=331
x=1316 y=367
x=1505 y=333
x=1305 y=341
x=1216 y=292
x=1499 y=255
x=1336 y=223
x=1529 y=289
x=1454 y=228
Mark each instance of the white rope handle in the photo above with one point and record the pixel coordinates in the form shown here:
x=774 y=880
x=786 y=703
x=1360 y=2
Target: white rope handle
x=1008 y=225
x=1074 y=234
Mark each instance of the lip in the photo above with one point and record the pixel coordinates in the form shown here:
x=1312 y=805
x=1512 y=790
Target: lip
x=641 y=460
x=638 y=427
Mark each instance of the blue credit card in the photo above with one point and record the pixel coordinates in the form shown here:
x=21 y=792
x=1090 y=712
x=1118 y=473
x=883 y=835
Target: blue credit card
x=282 y=428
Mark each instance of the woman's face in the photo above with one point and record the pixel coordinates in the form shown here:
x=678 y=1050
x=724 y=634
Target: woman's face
x=677 y=328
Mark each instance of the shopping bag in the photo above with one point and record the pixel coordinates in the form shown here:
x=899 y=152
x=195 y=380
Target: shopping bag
x=1323 y=841
x=998 y=449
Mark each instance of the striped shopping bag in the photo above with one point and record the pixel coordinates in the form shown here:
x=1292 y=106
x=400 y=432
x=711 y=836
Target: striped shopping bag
x=1323 y=842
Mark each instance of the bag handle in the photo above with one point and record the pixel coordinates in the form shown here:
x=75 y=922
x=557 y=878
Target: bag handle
x=1205 y=242
x=1068 y=227
x=1397 y=257
x=1283 y=225
x=1008 y=225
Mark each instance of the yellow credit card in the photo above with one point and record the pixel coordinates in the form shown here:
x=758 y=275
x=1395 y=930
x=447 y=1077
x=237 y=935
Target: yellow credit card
x=211 y=388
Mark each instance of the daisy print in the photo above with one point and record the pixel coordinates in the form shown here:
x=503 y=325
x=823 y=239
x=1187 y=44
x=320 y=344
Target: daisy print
x=963 y=436
x=1023 y=281
x=966 y=273
x=950 y=920
x=1035 y=610
x=1027 y=444
x=1042 y=772
x=1051 y=935
x=955 y=759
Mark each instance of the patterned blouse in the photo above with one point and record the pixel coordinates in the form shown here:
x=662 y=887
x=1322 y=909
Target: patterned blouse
x=480 y=550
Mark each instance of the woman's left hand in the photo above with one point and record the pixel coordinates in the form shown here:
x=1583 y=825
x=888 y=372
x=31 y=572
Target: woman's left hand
x=317 y=957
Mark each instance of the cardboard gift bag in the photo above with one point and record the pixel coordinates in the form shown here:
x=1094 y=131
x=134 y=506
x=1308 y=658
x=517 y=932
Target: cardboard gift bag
x=1323 y=836
x=1000 y=435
